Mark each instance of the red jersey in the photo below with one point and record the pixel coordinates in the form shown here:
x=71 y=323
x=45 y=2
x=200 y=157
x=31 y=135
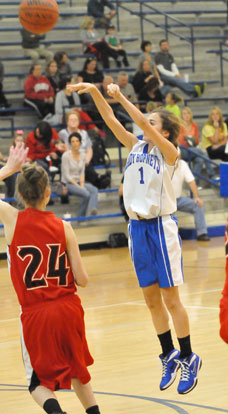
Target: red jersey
x=37 y=149
x=223 y=316
x=39 y=265
x=54 y=345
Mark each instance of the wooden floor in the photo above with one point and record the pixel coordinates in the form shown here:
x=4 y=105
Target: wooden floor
x=126 y=373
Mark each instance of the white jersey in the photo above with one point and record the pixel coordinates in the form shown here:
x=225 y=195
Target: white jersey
x=148 y=190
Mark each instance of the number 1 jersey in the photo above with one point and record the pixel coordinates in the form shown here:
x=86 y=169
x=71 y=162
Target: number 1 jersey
x=148 y=190
x=37 y=258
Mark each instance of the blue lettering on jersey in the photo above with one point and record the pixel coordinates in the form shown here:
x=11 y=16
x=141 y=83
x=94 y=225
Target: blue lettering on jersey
x=150 y=159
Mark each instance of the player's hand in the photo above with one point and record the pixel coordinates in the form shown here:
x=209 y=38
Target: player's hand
x=113 y=91
x=17 y=157
x=82 y=87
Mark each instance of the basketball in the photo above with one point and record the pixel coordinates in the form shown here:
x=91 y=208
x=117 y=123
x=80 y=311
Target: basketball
x=38 y=16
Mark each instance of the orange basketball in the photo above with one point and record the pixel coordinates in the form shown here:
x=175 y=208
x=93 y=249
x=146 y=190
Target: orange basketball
x=38 y=16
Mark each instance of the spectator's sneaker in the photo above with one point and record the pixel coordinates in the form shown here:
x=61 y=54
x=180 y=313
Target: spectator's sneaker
x=203 y=87
x=170 y=365
x=203 y=237
x=198 y=91
x=189 y=371
x=215 y=178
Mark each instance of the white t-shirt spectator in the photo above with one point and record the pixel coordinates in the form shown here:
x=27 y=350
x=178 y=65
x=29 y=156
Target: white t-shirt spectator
x=181 y=174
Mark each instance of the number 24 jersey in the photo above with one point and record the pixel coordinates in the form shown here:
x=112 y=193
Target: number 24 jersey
x=38 y=261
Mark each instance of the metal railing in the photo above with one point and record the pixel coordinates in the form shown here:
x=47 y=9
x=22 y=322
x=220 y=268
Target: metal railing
x=191 y=152
x=221 y=60
x=143 y=4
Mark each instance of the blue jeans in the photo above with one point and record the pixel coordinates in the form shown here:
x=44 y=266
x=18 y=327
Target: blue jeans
x=89 y=196
x=197 y=161
x=186 y=87
x=188 y=205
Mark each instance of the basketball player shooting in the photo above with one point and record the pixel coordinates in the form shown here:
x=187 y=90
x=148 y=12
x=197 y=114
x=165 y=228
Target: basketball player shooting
x=153 y=233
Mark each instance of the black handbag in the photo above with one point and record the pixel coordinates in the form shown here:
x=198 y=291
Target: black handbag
x=117 y=240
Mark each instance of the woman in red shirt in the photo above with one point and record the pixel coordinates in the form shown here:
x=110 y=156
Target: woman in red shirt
x=44 y=146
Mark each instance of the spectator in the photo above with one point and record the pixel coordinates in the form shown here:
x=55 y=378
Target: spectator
x=73 y=176
x=172 y=99
x=142 y=76
x=53 y=75
x=126 y=88
x=150 y=92
x=3 y=101
x=90 y=73
x=10 y=181
x=214 y=135
x=19 y=137
x=63 y=65
x=73 y=125
x=96 y=9
x=146 y=47
x=79 y=119
x=114 y=42
x=65 y=100
x=44 y=146
x=193 y=205
x=93 y=43
x=138 y=132
x=31 y=46
x=103 y=88
x=38 y=92
x=170 y=74
x=189 y=137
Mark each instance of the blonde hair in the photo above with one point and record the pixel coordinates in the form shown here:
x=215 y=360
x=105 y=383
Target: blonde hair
x=86 y=22
x=31 y=184
x=187 y=109
x=210 y=121
x=150 y=106
x=19 y=133
x=68 y=114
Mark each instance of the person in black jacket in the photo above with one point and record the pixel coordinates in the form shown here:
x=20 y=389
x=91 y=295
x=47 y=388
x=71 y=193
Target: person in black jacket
x=31 y=46
x=142 y=76
x=3 y=101
x=96 y=8
x=53 y=75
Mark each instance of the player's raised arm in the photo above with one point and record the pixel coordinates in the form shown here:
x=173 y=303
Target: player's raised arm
x=125 y=137
x=17 y=156
x=150 y=133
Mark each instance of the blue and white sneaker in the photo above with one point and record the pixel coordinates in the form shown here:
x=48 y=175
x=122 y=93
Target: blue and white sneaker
x=170 y=365
x=190 y=367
